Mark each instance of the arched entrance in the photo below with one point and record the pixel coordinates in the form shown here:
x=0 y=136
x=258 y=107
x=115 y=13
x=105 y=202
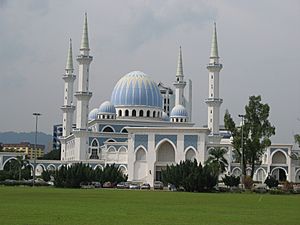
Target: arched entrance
x=279 y=174
x=165 y=155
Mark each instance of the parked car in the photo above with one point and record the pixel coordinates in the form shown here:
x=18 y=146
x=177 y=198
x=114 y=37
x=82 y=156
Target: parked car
x=145 y=186
x=123 y=185
x=158 y=185
x=96 y=184
x=107 y=185
x=260 y=188
x=134 y=186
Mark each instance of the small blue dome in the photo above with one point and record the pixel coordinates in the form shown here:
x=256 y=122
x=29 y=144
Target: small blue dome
x=107 y=108
x=165 y=117
x=93 y=114
x=179 y=111
x=136 y=89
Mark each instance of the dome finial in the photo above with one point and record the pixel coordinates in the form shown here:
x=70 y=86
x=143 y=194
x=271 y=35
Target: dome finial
x=179 y=72
x=69 y=65
x=85 y=39
x=214 y=44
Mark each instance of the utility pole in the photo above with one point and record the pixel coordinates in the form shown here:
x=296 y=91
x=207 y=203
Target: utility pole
x=36 y=114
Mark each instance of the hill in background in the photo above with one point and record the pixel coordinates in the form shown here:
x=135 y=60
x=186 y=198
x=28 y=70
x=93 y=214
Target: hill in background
x=15 y=137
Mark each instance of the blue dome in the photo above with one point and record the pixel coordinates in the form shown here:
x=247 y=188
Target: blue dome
x=93 y=114
x=165 y=117
x=107 y=107
x=136 y=89
x=179 y=111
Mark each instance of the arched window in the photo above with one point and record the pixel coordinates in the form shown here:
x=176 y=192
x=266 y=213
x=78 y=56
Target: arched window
x=141 y=114
x=133 y=112
x=126 y=112
x=94 y=143
x=124 y=130
x=111 y=140
x=148 y=113
x=120 y=112
x=181 y=120
x=154 y=114
x=108 y=129
x=140 y=155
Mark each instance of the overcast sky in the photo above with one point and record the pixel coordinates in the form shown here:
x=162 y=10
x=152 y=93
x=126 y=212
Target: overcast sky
x=258 y=45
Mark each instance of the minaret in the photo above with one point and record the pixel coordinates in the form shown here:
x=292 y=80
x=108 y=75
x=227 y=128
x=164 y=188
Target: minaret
x=214 y=101
x=179 y=84
x=68 y=107
x=83 y=95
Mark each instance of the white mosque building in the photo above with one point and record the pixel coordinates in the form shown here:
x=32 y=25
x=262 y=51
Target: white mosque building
x=146 y=126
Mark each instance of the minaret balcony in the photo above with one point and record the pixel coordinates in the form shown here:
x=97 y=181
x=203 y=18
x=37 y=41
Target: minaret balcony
x=179 y=84
x=214 y=67
x=84 y=59
x=214 y=101
x=69 y=77
x=68 y=108
x=83 y=95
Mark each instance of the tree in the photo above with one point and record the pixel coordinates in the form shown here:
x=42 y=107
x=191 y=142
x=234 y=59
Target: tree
x=297 y=139
x=257 y=131
x=52 y=155
x=22 y=164
x=217 y=161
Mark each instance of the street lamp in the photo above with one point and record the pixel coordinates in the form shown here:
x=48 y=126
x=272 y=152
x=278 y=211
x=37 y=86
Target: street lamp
x=36 y=114
x=242 y=149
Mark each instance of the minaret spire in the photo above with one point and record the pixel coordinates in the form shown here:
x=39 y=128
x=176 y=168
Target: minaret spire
x=179 y=71
x=179 y=84
x=69 y=65
x=85 y=38
x=214 y=44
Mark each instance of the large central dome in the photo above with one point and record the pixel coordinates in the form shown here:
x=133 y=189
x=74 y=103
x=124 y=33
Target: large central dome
x=136 y=89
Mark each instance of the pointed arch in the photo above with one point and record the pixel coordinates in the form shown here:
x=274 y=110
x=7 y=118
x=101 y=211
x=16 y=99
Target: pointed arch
x=94 y=143
x=51 y=167
x=190 y=153
x=260 y=174
x=123 y=169
x=279 y=173
x=98 y=166
x=236 y=172
x=165 y=151
x=279 y=157
x=108 y=129
x=124 y=130
x=140 y=154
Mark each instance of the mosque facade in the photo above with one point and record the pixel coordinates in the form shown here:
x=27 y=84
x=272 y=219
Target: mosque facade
x=146 y=126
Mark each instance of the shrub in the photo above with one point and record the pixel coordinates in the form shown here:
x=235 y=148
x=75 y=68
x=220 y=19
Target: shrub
x=76 y=174
x=190 y=176
x=287 y=187
x=271 y=182
x=248 y=182
x=231 y=181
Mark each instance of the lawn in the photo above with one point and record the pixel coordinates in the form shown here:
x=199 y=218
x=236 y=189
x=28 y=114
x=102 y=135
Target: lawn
x=39 y=205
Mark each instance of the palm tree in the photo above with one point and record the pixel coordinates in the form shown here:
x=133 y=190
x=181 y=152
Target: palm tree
x=22 y=163
x=217 y=160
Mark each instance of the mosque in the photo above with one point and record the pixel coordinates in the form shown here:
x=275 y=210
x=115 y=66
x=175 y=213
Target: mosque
x=146 y=126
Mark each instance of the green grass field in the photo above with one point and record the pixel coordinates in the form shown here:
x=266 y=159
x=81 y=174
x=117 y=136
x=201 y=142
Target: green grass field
x=39 y=205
